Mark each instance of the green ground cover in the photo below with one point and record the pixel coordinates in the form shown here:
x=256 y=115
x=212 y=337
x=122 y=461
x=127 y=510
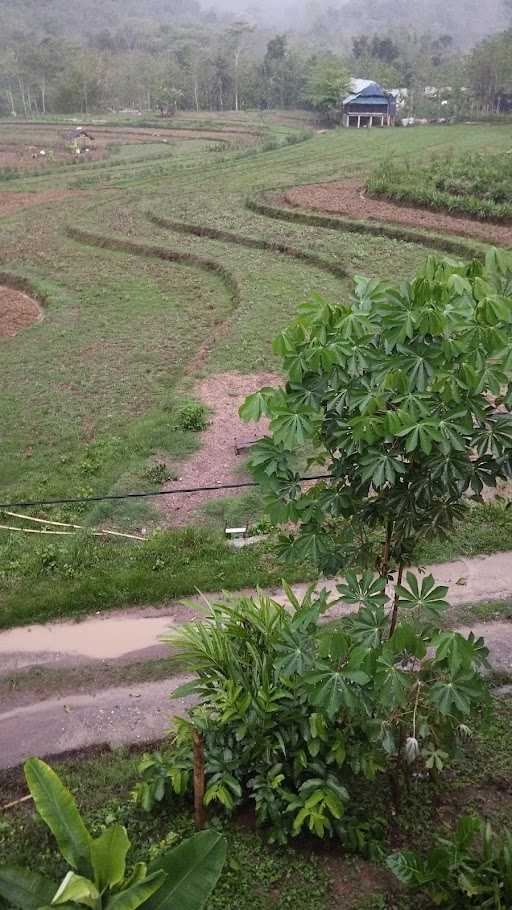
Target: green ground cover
x=305 y=876
x=88 y=395
x=474 y=184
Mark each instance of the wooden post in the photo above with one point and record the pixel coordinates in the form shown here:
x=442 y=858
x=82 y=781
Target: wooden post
x=199 y=781
x=359 y=122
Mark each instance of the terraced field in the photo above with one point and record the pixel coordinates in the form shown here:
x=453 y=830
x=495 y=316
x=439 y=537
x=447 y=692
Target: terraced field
x=154 y=272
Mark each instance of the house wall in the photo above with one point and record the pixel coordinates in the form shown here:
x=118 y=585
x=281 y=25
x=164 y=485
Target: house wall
x=355 y=108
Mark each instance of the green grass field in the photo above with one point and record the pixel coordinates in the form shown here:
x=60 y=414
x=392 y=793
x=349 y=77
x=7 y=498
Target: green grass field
x=88 y=394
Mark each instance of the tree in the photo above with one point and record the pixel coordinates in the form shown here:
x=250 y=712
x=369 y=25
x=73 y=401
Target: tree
x=8 y=70
x=221 y=81
x=274 y=68
x=490 y=69
x=383 y=49
x=237 y=38
x=328 y=81
x=402 y=399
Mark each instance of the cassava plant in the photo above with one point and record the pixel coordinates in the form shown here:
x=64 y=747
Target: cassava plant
x=294 y=710
x=178 y=879
x=402 y=398
x=472 y=868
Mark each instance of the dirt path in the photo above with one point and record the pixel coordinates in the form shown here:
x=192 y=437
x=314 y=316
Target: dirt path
x=140 y=712
x=117 y=716
x=217 y=460
x=348 y=198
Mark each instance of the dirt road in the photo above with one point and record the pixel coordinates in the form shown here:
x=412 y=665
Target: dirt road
x=140 y=712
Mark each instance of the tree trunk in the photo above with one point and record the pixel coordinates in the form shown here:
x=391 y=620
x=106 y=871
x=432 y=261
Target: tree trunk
x=384 y=569
x=199 y=781
x=22 y=93
x=394 y=615
x=237 y=61
x=10 y=95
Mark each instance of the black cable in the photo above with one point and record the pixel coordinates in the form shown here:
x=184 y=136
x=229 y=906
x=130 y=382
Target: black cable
x=114 y=496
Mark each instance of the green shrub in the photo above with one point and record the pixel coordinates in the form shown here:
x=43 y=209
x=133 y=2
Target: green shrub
x=191 y=417
x=158 y=473
x=471 y=869
x=294 y=710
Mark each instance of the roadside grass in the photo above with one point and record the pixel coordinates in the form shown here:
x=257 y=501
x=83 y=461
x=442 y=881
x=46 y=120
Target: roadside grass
x=245 y=510
x=52 y=581
x=489 y=611
x=46 y=581
x=305 y=875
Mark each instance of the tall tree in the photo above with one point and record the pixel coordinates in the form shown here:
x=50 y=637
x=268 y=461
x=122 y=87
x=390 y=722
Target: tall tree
x=238 y=36
x=329 y=80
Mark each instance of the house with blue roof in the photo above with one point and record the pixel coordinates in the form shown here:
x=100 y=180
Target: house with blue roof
x=368 y=105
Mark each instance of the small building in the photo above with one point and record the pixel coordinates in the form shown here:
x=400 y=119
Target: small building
x=369 y=106
x=78 y=140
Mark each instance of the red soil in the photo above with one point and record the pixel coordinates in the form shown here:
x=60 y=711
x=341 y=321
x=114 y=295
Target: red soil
x=348 y=198
x=17 y=311
x=10 y=202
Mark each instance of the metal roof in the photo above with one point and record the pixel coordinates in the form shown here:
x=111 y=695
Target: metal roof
x=357 y=85
x=371 y=93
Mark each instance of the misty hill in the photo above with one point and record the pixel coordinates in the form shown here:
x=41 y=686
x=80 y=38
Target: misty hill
x=328 y=21
x=467 y=20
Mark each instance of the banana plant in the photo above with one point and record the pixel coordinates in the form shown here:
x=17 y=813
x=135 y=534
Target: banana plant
x=179 y=879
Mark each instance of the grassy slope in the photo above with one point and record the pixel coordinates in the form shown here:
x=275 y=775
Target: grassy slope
x=99 y=378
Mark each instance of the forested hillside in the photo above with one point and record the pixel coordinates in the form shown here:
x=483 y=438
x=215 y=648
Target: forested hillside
x=57 y=57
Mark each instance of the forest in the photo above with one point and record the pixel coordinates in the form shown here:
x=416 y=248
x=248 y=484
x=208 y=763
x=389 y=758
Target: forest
x=175 y=55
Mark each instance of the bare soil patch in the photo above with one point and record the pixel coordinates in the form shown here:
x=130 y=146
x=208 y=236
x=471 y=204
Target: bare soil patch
x=349 y=198
x=354 y=879
x=17 y=311
x=216 y=462
x=10 y=202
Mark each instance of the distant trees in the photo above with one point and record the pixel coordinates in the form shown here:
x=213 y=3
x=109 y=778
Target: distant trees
x=178 y=57
x=328 y=81
x=490 y=70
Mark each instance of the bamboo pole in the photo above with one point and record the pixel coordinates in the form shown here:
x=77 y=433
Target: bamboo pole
x=34 y=531
x=63 y=524
x=16 y=802
x=43 y=521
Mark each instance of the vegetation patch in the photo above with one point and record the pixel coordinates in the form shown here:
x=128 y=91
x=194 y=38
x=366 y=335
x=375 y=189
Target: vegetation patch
x=271 y=206
x=250 y=242
x=479 y=186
